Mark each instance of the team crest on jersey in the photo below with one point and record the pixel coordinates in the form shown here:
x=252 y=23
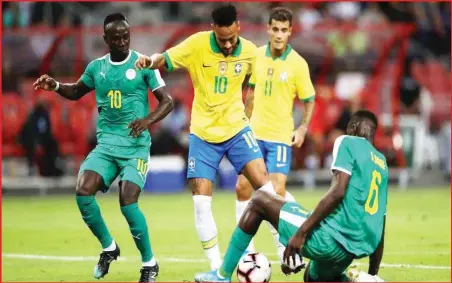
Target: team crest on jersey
x=223 y=67
x=283 y=77
x=270 y=72
x=191 y=164
x=131 y=74
x=238 y=69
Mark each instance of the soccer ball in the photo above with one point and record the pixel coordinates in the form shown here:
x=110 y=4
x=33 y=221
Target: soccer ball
x=254 y=267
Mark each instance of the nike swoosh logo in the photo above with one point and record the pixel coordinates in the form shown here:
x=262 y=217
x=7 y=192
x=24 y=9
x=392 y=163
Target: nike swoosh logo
x=280 y=164
x=206 y=66
x=256 y=150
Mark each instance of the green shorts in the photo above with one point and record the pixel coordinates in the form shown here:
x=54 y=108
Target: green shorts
x=109 y=167
x=328 y=258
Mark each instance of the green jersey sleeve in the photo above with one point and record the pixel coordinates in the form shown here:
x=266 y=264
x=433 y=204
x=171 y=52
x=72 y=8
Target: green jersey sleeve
x=154 y=80
x=88 y=76
x=343 y=159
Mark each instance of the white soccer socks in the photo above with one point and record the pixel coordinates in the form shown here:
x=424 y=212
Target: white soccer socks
x=207 y=229
x=110 y=248
x=152 y=262
x=268 y=188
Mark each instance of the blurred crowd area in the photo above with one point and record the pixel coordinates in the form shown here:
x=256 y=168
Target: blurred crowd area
x=356 y=54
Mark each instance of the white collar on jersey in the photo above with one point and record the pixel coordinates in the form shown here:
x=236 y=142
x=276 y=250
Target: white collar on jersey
x=123 y=61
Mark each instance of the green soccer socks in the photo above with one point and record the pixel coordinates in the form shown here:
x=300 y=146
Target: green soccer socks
x=139 y=230
x=93 y=218
x=238 y=244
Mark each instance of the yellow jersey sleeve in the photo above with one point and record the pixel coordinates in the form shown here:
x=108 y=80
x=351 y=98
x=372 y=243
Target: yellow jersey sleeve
x=181 y=55
x=305 y=89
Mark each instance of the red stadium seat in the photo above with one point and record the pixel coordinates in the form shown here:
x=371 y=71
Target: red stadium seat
x=12 y=150
x=79 y=126
x=14 y=115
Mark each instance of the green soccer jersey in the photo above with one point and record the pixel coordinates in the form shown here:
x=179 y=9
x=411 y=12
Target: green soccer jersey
x=357 y=223
x=121 y=97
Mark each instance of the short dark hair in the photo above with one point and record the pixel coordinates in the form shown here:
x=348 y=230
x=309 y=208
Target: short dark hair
x=113 y=18
x=224 y=15
x=280 y=14
x=361 y=115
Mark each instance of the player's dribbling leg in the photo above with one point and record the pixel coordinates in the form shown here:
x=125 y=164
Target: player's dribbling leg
x=245 y=155
x=203 y=161
x=128 y=197
x=89 y=182
x=263 y=206
x=256 y=173
x=204 y=221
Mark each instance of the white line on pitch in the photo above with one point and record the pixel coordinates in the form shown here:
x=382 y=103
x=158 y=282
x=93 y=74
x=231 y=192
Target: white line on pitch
x=186 y=260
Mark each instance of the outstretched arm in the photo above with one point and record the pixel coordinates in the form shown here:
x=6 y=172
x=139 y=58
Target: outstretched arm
x=179 y=56
x=164 y=107
x=71 y=91
x=155 y=61
x=375 y=258
x=326 y=205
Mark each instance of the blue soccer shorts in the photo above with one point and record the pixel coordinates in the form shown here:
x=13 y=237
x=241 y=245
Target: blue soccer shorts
x=204 y=158
x=277 y=156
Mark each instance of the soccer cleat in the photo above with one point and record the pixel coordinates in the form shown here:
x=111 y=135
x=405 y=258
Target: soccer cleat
x=354 y=274
x=102 y=266
x=149 y=273
x=211 y=276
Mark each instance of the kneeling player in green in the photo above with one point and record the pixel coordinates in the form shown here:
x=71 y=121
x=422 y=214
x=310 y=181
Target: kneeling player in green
x=123 y=139
x=347 y=224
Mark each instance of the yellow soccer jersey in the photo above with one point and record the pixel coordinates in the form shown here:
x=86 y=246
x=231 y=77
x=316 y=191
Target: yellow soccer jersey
x=218 y=112
x=277 y=82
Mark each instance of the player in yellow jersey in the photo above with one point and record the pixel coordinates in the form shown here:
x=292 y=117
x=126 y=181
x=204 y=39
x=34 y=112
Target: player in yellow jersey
x=279 y=77
x=220 y=64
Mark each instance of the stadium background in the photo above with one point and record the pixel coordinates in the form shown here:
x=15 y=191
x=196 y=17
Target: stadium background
x=392 y=58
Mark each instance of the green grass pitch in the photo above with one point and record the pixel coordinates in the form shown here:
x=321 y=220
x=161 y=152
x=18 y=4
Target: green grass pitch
x=45 y=239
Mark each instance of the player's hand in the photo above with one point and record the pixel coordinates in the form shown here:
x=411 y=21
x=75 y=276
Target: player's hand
x=45 y=82
x=299 y=136
x=137 y=127
x=143 y=62
x=287 y=270
x=292 y=251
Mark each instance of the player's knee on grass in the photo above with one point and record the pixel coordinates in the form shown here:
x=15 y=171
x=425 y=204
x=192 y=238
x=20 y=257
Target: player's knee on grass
x=201 y=186
x=128 y=193
x=88 y=183
x=243 y=189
